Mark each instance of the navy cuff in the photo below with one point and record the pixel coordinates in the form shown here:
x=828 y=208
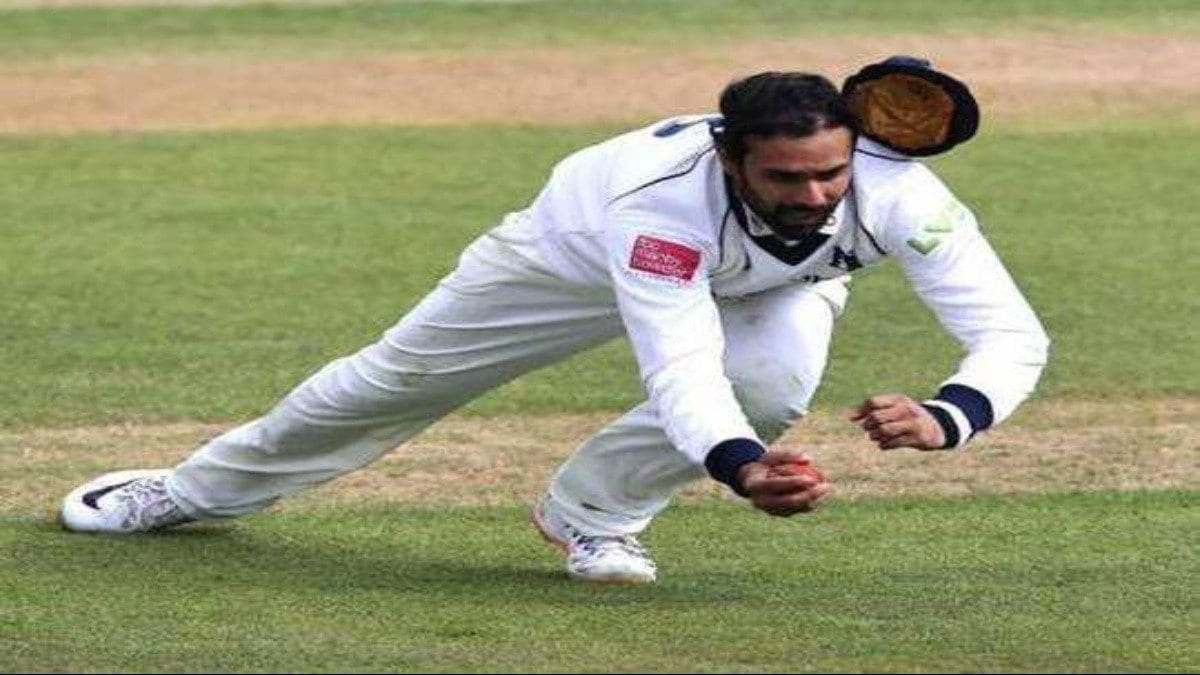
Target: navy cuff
x=726 y=457
x=949 y=428
x=972 y=402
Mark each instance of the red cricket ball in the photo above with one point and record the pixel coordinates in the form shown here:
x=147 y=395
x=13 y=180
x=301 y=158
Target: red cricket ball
x=801 y=468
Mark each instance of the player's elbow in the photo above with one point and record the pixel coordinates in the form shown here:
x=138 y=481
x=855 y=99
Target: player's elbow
x=1039 y=347
x=1034 y=356
x=1030 y=345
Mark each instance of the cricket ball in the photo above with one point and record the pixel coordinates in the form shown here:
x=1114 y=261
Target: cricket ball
x=801 y=468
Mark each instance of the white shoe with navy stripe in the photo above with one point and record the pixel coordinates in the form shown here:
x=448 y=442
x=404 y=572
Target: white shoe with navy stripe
x=599 y=558
x=122 y=502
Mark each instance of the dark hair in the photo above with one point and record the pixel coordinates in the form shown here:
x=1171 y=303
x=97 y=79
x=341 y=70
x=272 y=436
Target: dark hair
x=773 y=104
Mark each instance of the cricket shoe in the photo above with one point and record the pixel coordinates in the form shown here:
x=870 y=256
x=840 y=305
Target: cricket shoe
x=122 y=502
x=600 y=558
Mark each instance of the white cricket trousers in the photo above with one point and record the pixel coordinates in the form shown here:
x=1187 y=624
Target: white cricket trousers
x=498 y=315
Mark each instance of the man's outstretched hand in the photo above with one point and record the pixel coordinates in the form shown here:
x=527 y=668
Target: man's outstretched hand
x=897 y=421
x=783 y=483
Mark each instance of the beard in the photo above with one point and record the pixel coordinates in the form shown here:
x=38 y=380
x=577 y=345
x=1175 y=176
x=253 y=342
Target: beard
x=791 y=221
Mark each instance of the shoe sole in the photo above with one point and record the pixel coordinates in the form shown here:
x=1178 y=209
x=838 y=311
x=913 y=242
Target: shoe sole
x=545 y=531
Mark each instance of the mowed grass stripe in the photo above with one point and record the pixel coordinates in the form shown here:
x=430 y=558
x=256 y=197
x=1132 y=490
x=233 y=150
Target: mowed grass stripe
x=1065 y=583
x=200 y=276
x=74 y=32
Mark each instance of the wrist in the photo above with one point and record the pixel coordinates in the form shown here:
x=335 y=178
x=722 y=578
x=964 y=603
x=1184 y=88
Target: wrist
x=961 y=411
x=951 y=434
x=727 y=459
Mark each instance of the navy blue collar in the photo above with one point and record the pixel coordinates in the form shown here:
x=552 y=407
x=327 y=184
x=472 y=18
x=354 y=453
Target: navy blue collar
x=793 y=254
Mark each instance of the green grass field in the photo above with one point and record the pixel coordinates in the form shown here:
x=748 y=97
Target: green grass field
x=1068 y=583
x=337 y=29
x=197 y=276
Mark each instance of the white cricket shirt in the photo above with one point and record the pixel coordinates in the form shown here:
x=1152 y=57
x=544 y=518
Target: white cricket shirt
x=649 y=215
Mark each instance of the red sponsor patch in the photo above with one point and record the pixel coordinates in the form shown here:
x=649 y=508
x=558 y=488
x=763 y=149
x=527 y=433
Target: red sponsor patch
x=664 y=258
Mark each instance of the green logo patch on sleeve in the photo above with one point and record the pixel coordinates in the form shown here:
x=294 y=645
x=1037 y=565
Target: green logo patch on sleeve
x=943 y=223
x=925 y=244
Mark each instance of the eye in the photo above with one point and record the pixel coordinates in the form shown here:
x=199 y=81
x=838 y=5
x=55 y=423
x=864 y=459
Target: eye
x=786 y=176
x=832 y=174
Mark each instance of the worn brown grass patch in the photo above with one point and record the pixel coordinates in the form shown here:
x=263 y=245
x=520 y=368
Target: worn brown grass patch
x=1050 y=446
x=1053 y=80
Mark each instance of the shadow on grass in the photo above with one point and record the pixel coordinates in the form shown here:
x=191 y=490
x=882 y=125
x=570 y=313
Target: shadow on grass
x=394 y=553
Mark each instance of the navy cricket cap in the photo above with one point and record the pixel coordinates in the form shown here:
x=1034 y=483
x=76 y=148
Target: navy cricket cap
x=903 y=103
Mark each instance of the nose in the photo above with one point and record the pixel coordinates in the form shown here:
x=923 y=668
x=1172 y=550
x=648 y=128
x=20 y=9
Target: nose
x=811 y=194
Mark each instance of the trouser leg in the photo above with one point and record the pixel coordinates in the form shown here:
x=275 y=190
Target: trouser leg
x=776 y=348
x=490 y=321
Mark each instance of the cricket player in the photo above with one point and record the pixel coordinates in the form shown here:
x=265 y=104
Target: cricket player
x=721 y=246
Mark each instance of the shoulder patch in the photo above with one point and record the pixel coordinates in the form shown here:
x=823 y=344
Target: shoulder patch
x=924 y=245
x=942 y=223
x=664 y=258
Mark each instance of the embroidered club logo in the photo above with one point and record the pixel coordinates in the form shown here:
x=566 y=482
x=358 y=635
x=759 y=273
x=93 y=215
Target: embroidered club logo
x=933 y=232
x=664 y=258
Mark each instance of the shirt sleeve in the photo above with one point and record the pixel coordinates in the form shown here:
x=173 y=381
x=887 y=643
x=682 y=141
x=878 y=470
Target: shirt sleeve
x=662 y=291
x=955 y=271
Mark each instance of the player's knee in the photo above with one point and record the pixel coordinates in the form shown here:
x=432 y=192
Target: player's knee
x=772 y=405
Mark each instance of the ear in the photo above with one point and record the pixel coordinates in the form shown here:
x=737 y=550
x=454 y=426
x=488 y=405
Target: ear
x=731 y=167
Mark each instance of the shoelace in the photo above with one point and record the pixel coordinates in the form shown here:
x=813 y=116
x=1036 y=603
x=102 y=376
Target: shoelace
x=147 y=505
x=597 y=544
